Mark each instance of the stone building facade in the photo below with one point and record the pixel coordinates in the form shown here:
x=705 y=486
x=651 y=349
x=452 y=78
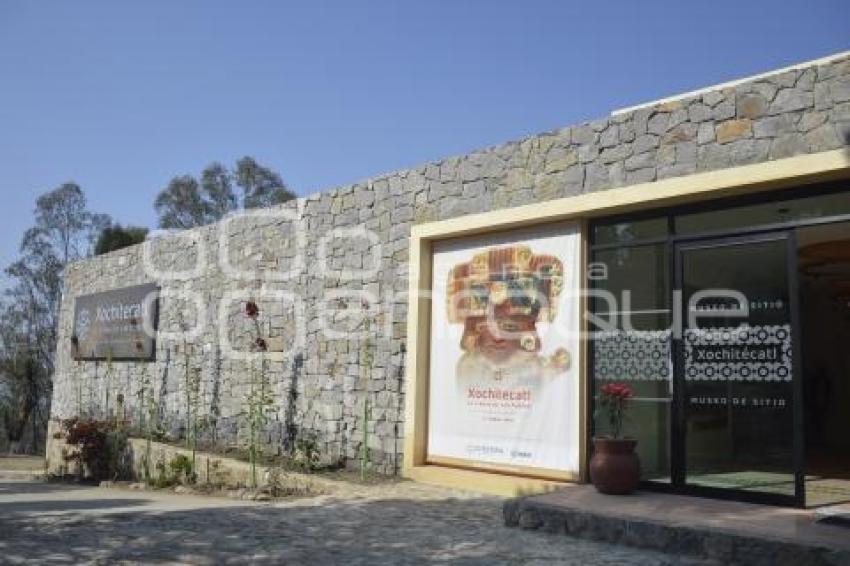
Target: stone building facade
x=329 y=271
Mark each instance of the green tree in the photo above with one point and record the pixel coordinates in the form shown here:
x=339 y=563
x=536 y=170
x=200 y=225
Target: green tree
x=24 y=380
x=64 y=230
x=180 y=204
x=114 y=237
x=261 y=187
x=186 y=202
x=64 y=222
x=217 y=191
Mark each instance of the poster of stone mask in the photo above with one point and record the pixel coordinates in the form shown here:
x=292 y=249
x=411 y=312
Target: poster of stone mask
x=119 y=324
x=504 y=362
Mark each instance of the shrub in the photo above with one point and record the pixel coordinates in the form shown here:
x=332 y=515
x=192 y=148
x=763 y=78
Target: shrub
x=98 y=447
x=163 y=479
x=306 y=456
x=181 y=469
x=115 y=237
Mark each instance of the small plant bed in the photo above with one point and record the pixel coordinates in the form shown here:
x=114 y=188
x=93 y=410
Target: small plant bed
x=229 y=473
x=173 y=472
x=265 y=493
x=302 y=462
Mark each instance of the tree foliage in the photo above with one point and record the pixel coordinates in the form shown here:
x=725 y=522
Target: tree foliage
x=64 y=222
x=261 y=187
x=114 y=237
x=64 y=230
x=187 y=202
x=180 y=205
x=217 y=190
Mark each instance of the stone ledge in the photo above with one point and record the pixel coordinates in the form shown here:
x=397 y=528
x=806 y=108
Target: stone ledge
x=21 y=475
x=699 y=540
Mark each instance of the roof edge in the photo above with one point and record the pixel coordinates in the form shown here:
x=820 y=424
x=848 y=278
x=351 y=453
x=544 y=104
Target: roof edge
x=732 y=83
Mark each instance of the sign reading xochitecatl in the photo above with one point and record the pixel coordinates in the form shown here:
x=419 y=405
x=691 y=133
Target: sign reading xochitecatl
x=504 y=366
x=117 y=324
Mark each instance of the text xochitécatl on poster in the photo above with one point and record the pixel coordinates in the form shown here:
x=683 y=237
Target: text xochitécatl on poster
x=504 y=363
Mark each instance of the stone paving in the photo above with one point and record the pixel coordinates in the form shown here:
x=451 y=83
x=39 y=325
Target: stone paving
x=399 y=523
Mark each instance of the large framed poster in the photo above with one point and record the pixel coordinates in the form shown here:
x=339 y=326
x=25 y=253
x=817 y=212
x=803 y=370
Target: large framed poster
x=119 y=324
x=504 y=356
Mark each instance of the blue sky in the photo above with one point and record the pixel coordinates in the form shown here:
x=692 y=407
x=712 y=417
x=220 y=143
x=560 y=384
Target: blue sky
x=119 y=96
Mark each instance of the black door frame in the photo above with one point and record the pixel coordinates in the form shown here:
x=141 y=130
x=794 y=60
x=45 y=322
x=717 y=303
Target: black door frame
x=678 y=429
x=670 y=241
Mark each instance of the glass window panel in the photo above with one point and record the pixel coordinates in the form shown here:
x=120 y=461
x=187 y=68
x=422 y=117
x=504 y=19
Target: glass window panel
x=634 y=279
x=630 y=232
x=607 y=321
x=632 y=345
x=648 y=421
x=775 y=212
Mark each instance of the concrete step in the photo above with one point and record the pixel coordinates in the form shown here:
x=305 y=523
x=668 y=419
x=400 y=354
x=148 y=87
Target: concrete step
x=21 y=467
x=723 y=531
x=6 y=475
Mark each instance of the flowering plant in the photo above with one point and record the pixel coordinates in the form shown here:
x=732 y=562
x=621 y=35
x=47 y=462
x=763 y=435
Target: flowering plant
x=614 y=400
x=259 y=400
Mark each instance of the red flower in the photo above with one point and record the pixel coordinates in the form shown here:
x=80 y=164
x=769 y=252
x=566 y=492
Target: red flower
x=617 y=391
x=251 y=309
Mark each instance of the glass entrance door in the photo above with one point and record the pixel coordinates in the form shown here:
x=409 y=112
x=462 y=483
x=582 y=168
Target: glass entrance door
x=736 y=388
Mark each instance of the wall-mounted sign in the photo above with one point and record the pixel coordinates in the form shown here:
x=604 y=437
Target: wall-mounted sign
x=118 y=324
x=504 y=364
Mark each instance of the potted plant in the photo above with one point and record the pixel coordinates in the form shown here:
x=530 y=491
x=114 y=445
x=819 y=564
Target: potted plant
x=614 y=466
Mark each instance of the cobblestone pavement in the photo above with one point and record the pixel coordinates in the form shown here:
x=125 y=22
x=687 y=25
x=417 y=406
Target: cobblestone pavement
x=401 y=523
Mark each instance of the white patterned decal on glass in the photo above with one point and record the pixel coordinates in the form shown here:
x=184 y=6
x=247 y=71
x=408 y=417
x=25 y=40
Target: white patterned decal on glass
x=632 y=355
x=745 y=353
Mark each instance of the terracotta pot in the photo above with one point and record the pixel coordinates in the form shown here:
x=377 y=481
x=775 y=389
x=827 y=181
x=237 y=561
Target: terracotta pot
x=614 y=466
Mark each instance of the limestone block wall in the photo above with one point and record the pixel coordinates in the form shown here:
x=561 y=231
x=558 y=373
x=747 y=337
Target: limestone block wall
x=329 y=271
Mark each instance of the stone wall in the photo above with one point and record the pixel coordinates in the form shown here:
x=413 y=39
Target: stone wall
x=323 y=265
